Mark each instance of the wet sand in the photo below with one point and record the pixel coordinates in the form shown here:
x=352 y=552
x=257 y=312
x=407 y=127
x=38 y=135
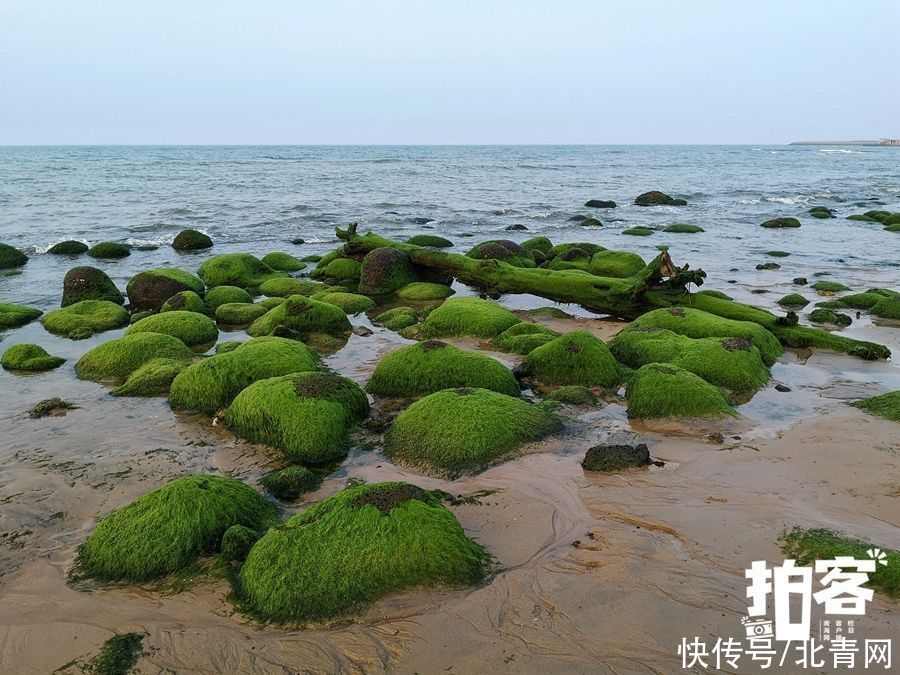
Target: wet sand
x=596 y=573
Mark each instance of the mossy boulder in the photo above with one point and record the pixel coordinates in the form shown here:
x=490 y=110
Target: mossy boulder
x=301 y=315
x=778 y=254
x=574 y=358
x=821 y=212
x=117 y=359
x=733 y=363
x=283 y=262
x=385 y=271
x=397 y=318
x=522 y=338
x=887 y=308
x=502 y=249
x=616 y=264
x=712 y=293
x=457 y=431
x=615 y=457
x=893 y=227
x=236 y=269
x=656 y=198
x=287 y=286
x=683 y=228
x=89 y=283
x=191 y=240
x=223 y=295
x=13 y=316
x=780 y=223
x=793 y=300
x=239 y=313
x=885 y=405
x=359 y=545
x=431 y=240
x=237 y=542
x=187 y=301
x=865 y=300
x=540 y=244
x=11 y=257
x=170 y=528
x=427 y=367
x=591 y=222
x=600 y=204
x=878 y=216
x=768 y=266
x=585 y=246
x=468 y=316
x=151 y=379
x=29 y=357
x=148 y=291
x=68 y=247
x=307 y=416
x=291 y=482
x=696 y=323
x=573 y=394
x=570 y=259
x=351 y=303
x=341 y=268
x=861 y=217
x=830 y=286
x=639 y=231
x=663 y=390
x=210 y=385
x=85 y=318
x=829 y=316
x=109 y=250
x=191 y=328
x=423 y=291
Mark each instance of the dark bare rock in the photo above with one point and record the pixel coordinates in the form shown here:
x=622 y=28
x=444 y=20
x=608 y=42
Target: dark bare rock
x=600 y=204
x=615 y=457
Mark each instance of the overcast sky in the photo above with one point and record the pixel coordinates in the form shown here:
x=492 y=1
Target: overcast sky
x=447 y=71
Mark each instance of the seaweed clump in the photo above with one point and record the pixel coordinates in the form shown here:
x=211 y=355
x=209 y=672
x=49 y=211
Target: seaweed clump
x=283 y=262
x=151 y=379
x=301 y=315
x=118 y=657
x=574 y=358
x=85 y=318
x=468 y=316
x=29 y=357
x=223 y=295
x=397 y=318
x=13 y=316
x=117 y=359
x=663 y=390
x=289 y=483
x=522 y=338
x=885 y=405
x=189 y=327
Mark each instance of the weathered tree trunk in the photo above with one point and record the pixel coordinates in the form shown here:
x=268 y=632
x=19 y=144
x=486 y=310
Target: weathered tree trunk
x=659 y=284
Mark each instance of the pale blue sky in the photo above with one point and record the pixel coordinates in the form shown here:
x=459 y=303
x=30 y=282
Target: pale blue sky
x=430 y=71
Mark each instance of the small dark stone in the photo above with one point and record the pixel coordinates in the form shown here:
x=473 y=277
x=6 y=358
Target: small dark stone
x=298 y=241
x=51 y=406
x=577 y=219
x=800 y=281
x=591 y=222
x=782 y=388
x=517 y=227
x=362 y=331
x=615 y=457
x=419 y=220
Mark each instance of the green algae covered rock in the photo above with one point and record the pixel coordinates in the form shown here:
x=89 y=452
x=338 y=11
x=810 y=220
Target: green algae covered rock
x=865 y=300
x=656 y=198
x=431 y=240
x=29 y=357
x=151 y=379
x=733 y=363
x=683 y=228
x=696 y=323
x=110 y=250
x=887 y=308
x=187 y=301
x=573 y=394
x=574 y=358
x=385 y=271
x=13 y=316
x=540 y=244
x=89 y=283
x=397 y=318
x=341 y=268
x=427 y=367
x=421 y=290
x=283 y=288
x=301 y=315
x=793 y=300
x=821 y=212
x=353 y=548
x=468 y=316
x=239 y=313
x=502 y=249
x=616 y=264
x=11 y=257
x=148 y=291
x=571 y=259
x=521 y=338
x=715 y=294
x=283 y=262
x=68 y=247
x=223 y=295
x=117 y=359
x=862 y=217
x=585 y=246
x=227 y=346
x=85 y=318
x=829 y=316
x=886 y=405
x=830 y=286
x=170 y=528
x=663 y=390
x=236 y=269
x=639 y=231
x=289 y=483
x=307 y=416
x=351 y=303
x=191 y=328
x=237 y=542
x=211 y=384
x=191 y=240
x=458 y=431
x=779 y=223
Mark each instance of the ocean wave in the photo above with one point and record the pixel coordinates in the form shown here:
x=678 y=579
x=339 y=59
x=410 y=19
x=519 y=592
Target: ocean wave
x=842 y=151
x=798 y=199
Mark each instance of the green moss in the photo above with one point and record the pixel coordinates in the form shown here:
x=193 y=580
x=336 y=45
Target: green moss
x=169 y=528
x=397 y=318
x=878 y=215
x=574 y=358
x=12 y=316
x=239 y=313
x=459 y=431
x=361 y=544
x=149 y=290
x=829 y=316
x=616 y=264
x=302 y=316
x=683 y=228
x=117 y=359
x=283 y=262
x=778 y=254
x=223 y=295
x=289 y=483
x=307 y=416
x=699 y=324
x=421 y=290
x=118 y=657
x=793 y=300
x=282 y=288
x=89 y=283
x=656 y=198
x=829 y=286
x=862 y=217
x=68 y=247
x=236 y=269
x=715 y=294
x=29 y=357
x=427 y=367
x=211 y=384
x=228 y=346
x=187 y=301
x=137 y=316
x=573 y=394
x=311 y=258
x=887 y=308
x=237 y=542
x=808 y=545
x=585 y=246
x=429 y=240
x=891 y=220
x=542 y=244
x=109 y=249
x=777 y=223
x=342 y=268
x=270 y=303
x=351 y=303
x=571 y=259
x=768 y=266
x=151 y=379
x=821 y=212
x=385 y=271
x=11 y=257
x=639 y=231
x=191 y=328
x=663 y=390
x=502 y=249
x=521 y=338
x=191 y=240
x=886 y=405
x=733 y=363
x=86 y=318
x=468 y=316
x=892 y=228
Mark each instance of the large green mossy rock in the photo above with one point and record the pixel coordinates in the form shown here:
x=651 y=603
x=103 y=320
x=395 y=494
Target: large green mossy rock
x=639 y=231
x=236 y=269
x=117 y=359
x=663 y=390
x=187 y=301
x=211 y=384
x=657 y=198
x=587 y=247
x=13 y=316
x=109 y=250
x=350 y=303
x=11 y=257
x=385 y=271
x=502 y=249
x=696 y=323
x=341 y=268
x=89 y=283
x=616 y=264
x=886 y=405
x=397 y=318
x=427 y=367
x=457 y=431
x=170 y=528
x=239 y=313
x=781 y=223
x=68 y=247
x=431 y=240
x=86 y=318
x=887 y=308
x=574 y=358
x=830 y=286
x=683 y=228
x=223 y=295
x=468 y=316
x=865 y=300
x=733 y=363
x=541 y=244
x=190 y=327
x=191 y=240
x=823 y=315
x=289 y=483
x=351 y=549
x=151 y=379
x=147 y=291
x=29 y=357
x=307 y=416
x=793 y=300
x=283 y=288
x=283 y=262
x=301 y=315
x=522 y=338
x=422 y=291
